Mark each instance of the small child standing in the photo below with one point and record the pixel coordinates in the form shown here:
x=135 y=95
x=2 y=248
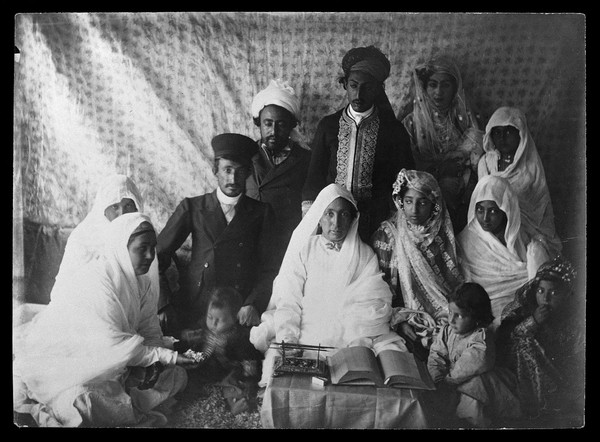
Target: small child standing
x=542 y=339
x=462 y=363
x=227 y=355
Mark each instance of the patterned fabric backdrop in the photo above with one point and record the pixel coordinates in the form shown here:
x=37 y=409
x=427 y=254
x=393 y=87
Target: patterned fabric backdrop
x=144 y=93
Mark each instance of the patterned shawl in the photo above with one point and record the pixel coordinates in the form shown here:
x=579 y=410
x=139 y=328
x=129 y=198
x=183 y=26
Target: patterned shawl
x=425 y=257
x=428 y=146
x=526 y=176
x=525 y=301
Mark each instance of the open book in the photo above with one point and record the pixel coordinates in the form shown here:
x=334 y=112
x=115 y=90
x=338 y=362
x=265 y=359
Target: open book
x=393 y=368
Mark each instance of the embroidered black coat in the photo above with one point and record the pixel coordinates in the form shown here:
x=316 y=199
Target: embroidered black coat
x=392 y=153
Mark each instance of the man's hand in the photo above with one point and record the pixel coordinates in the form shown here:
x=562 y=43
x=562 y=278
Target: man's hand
x=248 y=315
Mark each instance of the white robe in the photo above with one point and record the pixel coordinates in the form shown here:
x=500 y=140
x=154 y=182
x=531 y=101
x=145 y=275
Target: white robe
x=326 y=297
x=500 y=269
x=87 y=239
x=526 y=176
x=101 y=320
x=312 y=310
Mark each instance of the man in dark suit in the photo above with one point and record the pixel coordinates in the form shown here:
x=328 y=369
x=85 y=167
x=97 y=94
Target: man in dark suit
x=280 y=166
x=231 y=244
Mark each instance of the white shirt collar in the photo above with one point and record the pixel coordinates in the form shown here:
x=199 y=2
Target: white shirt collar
x=224 y=199
x=359 y=116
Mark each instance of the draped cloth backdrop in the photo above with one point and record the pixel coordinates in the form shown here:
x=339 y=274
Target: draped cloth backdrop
x=143 y=94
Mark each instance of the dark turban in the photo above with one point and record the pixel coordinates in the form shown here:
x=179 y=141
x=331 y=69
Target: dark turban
x=367 y=59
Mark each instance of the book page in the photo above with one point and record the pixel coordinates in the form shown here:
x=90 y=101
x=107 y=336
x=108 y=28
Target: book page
x=356 y=365
x=402 y=369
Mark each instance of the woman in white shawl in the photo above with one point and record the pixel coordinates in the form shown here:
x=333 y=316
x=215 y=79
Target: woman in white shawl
x=514 y=156
x=329 y=290
x=117 y=194
x=74 y=363
x=492 y=249
x=417 y=254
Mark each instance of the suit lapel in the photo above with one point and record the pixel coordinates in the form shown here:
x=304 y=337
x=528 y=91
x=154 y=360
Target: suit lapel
x=243 y=213
x=262 y=167
x=274 y=172
x=214 y=217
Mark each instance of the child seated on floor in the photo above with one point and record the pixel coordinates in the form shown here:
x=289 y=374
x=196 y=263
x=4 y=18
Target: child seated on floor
x=223 y=349
x=462 y=363
x=542 y=339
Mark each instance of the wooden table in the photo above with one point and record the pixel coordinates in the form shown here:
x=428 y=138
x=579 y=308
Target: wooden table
x=293 y=401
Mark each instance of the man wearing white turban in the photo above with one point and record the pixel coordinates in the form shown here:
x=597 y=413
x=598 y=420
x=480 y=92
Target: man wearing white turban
x=280 y=166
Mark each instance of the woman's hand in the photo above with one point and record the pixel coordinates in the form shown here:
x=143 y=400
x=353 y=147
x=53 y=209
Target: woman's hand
x=151 y=374
x=408 y=331
x=186 y=362
x=542 y=313
x=169 y=342
x=295 y=352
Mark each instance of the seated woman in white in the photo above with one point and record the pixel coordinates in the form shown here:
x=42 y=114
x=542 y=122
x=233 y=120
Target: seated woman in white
x=117 y=194
x=80 y=362
x=492 y=250
x=510 y=153
x=329 y=290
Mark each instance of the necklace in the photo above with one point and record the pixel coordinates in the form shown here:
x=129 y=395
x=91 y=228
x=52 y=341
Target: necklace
x=445 y=131
x=504 y=161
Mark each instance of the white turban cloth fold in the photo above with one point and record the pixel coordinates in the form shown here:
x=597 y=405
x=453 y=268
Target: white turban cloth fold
x=280 y=93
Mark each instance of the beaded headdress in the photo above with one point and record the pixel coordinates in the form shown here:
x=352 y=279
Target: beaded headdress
x=559 y=269
x=420 y=181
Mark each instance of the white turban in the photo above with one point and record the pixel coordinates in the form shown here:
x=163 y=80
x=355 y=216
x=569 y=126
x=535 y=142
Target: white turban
x=278 y=93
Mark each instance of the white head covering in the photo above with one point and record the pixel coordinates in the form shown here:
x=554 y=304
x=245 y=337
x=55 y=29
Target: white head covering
x=499 y=190
x=350 y=251
x=95 y=326
x=525 y=174
x=500 y=269
x=112 y=190
x=280 y=93
x=87 y=239
x=117 y=257
x=354 y=294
